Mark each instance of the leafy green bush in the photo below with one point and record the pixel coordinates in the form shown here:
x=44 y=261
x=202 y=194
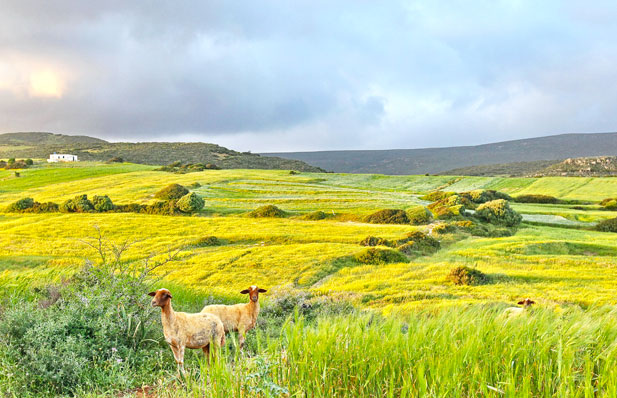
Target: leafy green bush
x=162 y=207
x=536 y=199
x=380 y=256
x=314 y=215
x=130 y=208
x=29 y=162
x=195 y=185
x=418 y=243
x=102 y=203
x=488 y=230
x=116 y=159
x=79 y=204
x=97 y=331
x=436 y=195
x=444 y=228
x=609 y=203
x=267 y=211
x=19 y=164
x=171 y=192
x=498 y=212
x=375 y=241
x=609 y=225
x=419 y=215
x=190 y=203
x=207 y=241
x=21 y=205
x=388 y=216
x=467 y=276
x=479 y=196
x=447 y=208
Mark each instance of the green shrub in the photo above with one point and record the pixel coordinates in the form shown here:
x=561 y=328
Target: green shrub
x=21 y=205
x=609 y=203
x=171 y=192
x=467 y=276
x=609 y=225
x=436 y=195
x=102 y=203
x=267 y=211
x=195 y=185
x=447 y=208
x=388 y=216
x=29 y=162
x=207 y=241
x=536 y=199
x=419 y=215
x=479 y=196
x=20 y=164
x=3 y=164
x=489 y=231
x=375 y=241
x=130 y=208
x=79 y=204
x=380 y=256
x=47 y=207
x=116 y=159
x=498 y=212
x=444 y=228
x=418 y=243
x=314 y=216
x=162 y=207
x=96 y=331
x=190 y=203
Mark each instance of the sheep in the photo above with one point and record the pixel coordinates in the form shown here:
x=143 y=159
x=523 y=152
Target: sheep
x=513 y=311
x=183 y=330
x=238 y=317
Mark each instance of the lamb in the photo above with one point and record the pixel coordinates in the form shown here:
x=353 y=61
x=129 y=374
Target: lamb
x=183 y=330
x=238 y=317
x=513 y=311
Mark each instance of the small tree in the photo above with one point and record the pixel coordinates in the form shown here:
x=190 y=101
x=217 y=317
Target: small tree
x=499 y=212
x=190 y=203
x=102 y=203
x=29 y=162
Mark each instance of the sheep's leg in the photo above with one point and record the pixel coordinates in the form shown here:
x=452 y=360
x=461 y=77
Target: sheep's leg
x=241 y=337
x=206 y=351
x=179 y=356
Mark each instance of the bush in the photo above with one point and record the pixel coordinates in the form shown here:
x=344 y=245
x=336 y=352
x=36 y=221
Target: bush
x=498 y=212
x=436 y=195
x=419 y=215
x=536 y=199
x=102 y=203
x=190 y=203
x=444 y=228
x=116 y=159
x=130 y=208
x=195 y=185
x=29 y=162
x=467 y=276
x=47 y=207
x=609 y=225
x=267 y=211
x=479 y=196
x=418 y=243
x=79 y=204
x=162 y=207
x=208 y=241
x=20 y=164
x=380 y=256
x=315 y=215
x=171 y=192
x=609 y=203
x=448 y=208
x=488 y=231
x=21 y=205
x=375 y=241
x=388 y=216
x=95 y=331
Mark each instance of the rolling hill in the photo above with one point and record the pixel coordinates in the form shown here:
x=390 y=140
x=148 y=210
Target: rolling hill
x=439 y=160
x=40 y=145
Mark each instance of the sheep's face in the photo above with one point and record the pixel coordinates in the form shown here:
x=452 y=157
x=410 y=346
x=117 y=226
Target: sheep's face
x=527 y=302
x=253 y=293
x=161 y=297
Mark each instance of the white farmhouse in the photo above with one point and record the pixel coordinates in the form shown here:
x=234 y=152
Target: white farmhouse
x=62 y=157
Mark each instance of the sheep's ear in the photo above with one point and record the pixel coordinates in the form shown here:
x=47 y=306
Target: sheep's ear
x=245 y=291
x=169 y=295
x=531 y=302
x=151 y=294
x=262 y=290
x=520 y=303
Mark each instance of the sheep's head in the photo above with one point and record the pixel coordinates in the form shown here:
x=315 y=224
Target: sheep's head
x=253 y=292
x=527 y=302
x=161 y=297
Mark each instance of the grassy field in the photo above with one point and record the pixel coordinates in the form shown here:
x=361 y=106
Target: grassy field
x=571 y=273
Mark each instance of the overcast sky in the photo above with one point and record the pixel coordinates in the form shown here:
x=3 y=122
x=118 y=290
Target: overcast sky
x=309 y=75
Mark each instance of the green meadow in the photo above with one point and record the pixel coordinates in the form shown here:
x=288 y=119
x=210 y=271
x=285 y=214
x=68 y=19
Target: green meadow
x=333 y=326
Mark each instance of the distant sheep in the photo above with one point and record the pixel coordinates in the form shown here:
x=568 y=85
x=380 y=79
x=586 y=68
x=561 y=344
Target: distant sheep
x=514 y=311
x=238 y=317
x=184 y=330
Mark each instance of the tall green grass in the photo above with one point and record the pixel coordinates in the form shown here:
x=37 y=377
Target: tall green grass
x=456 y=352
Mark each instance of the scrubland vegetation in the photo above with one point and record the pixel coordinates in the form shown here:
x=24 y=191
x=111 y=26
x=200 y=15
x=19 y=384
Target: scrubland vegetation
x=377 y=286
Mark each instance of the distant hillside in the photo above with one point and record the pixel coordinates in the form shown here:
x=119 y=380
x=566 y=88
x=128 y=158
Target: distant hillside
x=515 y=169
x=40 y=145
x=438 y=160
x=47 y=139
x=582 y=167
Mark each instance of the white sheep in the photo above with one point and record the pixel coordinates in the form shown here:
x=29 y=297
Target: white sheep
x=514 y=311
x=184 y=330
x=238 y=317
